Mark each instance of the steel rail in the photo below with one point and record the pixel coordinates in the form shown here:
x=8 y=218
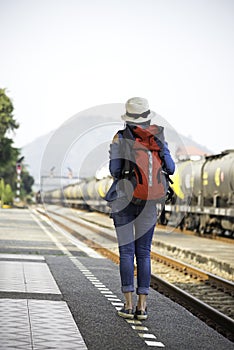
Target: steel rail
x=219 y=321
x=195 y=272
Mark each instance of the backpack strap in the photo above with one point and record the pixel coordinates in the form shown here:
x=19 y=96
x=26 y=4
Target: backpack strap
x=130 y=165
x=159 y=138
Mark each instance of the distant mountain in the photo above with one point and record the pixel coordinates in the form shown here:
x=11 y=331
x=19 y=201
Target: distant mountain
x=33 y=153
x=80 y=147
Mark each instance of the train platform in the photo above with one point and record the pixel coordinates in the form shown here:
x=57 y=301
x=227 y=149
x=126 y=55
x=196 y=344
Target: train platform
x=56 y=293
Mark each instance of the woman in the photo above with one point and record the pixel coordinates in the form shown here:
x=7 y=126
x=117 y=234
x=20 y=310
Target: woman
x=134 y=223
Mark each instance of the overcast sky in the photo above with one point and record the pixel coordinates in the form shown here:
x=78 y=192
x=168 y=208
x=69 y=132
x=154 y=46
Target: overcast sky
x=59 y=57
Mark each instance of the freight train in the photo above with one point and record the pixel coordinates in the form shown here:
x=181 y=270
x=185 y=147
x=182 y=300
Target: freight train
x=203 y=201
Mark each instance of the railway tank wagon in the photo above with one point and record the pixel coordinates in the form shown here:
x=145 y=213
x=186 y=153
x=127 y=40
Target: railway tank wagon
x=208 y=185
x=218 y=180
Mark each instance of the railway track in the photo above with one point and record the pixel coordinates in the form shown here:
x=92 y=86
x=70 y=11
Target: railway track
x=208 y=296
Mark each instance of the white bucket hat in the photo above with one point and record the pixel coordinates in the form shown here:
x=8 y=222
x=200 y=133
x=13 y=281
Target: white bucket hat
x=137 y=110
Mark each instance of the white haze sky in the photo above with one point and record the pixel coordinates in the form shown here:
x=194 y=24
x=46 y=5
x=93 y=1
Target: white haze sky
x=59 y=57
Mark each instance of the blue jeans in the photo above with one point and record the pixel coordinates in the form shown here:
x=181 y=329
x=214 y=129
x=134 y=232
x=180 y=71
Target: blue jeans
x=134 y=228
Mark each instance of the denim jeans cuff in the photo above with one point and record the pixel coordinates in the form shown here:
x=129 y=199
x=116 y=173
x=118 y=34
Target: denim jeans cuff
x=142 y=290
x=126 y=289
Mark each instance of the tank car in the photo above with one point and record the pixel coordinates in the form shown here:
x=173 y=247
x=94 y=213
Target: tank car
x=205 y=189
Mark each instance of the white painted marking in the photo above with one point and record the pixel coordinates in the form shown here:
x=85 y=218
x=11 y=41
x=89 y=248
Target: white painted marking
x=49 y=234
x=147 y=335
x=134 y=322
x=80 y=245
x=22 y=257
x=158 y=344
x=101 y=288
x=117 y=304
x=140 y=328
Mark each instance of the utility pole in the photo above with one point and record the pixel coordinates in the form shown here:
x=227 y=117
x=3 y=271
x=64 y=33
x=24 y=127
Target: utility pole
x=18 y=182
x=18 y=171
x=2 y=189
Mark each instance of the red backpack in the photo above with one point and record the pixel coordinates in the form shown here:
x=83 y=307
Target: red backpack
x=143 y=166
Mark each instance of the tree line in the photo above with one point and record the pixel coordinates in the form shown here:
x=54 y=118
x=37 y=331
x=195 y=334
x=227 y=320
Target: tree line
x=10 y=155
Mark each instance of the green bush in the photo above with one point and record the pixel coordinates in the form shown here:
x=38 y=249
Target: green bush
x=6 y=193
